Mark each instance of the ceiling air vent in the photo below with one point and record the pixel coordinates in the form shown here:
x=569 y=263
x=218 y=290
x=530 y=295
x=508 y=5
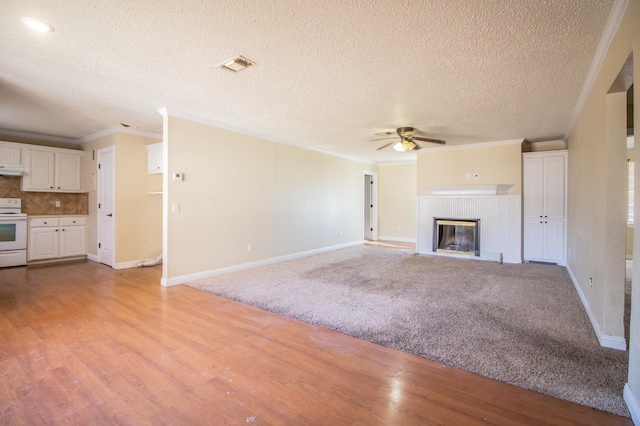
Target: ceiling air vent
x=236 y=64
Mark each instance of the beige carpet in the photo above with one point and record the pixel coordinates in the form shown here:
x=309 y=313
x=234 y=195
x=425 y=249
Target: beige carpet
x=521 y=324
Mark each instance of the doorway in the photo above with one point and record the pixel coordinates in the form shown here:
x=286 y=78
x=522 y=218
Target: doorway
x=370 y=206
x=630 y=213
x=106 y=205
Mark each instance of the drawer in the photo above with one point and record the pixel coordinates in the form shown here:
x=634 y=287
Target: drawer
x=47 y=221
x=71 y=221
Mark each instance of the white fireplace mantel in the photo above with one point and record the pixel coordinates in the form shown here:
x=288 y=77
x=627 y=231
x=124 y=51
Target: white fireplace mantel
x=467 y=190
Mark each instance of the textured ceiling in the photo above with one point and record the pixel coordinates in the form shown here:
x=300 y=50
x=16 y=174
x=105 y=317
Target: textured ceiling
x=329 y=73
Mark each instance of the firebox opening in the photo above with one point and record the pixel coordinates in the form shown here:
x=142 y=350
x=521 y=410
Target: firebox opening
x=459 y=236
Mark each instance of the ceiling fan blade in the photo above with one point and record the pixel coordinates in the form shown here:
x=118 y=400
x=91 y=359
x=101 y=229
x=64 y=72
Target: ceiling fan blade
x=383 y=139
x=440 y=141
x=384 y=146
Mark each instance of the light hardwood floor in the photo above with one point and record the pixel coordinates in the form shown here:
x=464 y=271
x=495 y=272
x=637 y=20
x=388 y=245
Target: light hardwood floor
x=85 y=344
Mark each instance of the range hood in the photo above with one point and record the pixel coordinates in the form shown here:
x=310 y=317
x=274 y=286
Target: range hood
x=11 y=170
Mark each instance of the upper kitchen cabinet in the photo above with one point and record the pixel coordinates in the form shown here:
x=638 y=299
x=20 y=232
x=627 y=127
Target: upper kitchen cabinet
x=10 y=154
x=52 y=170
x=154 y=158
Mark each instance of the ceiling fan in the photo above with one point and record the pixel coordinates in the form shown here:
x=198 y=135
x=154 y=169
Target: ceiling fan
x=405 y=141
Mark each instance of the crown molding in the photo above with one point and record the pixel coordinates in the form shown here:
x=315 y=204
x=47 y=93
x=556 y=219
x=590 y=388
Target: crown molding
x=472 y=146
x=170 y=112
x=610 y=30
x=118 y=129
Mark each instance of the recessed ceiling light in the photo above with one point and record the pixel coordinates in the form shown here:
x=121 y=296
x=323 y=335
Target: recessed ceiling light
x=37 y=25
x=236 y=64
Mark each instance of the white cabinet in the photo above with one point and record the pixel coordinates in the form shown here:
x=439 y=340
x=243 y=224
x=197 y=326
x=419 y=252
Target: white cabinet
x=52 y=170
x=544 y=192
x=154 y=158
x=10 y=154
x=57 y=237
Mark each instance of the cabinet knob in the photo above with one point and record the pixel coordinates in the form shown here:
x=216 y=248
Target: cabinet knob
x=56 y=230
x=45 y=223
x=51 y=187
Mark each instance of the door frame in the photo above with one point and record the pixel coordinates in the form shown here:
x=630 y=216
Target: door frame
x=100 y=151
x=374 y=201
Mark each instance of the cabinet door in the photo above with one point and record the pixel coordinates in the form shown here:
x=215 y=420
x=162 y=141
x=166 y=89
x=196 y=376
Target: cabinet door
x=554 y=187
x=533 y=239
x=554 y=241
x=38 y=175
x=68 y=172
x=44 y=243
x=154 y=158
x=10 y=156
x=533 y=183
x=73 y=241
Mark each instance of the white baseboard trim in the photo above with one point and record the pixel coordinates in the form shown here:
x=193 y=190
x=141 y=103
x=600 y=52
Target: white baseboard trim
x=613 y=342
x=398 y=239
x=93 y=258
x=632 y=404
x=214 y=272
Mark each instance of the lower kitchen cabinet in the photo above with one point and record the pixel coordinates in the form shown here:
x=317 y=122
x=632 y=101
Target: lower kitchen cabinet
x=57 y=237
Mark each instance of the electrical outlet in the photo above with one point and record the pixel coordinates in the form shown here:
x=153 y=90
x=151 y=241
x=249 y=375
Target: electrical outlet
x=249 y=247
x=467 y=176
x=175 y=207
x=339 y=234
x=58 y=204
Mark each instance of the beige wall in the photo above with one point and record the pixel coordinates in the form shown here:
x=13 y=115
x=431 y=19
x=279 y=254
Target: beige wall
x=494 y=164
x=138 y=216
x=240 y=190
x=596 y=220
x=397 y=202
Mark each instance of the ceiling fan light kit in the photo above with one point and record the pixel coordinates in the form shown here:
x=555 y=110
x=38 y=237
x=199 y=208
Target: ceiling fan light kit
x=407 y=140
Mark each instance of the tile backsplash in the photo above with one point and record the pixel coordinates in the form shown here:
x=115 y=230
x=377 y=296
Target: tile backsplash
x=42 y=203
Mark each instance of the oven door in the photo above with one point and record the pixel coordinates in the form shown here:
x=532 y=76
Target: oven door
x=13 y=233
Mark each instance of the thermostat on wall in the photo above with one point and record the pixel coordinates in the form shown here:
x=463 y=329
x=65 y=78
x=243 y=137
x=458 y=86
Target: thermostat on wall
x=177 y=176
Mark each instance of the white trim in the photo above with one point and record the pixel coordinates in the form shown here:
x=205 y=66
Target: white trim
x=467 y=190
x=215 y=272
x=610 y=30
x=632 y=404
x=472 y=146
x=613 y=342
x=93 y=258
x=166 y=112
x=116 y=129
x=38 y=137
x=397 y=239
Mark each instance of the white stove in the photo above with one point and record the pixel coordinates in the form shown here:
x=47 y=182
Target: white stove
x=13 y=233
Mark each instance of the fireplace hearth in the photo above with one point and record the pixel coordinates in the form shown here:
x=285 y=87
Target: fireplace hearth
x=458 y=236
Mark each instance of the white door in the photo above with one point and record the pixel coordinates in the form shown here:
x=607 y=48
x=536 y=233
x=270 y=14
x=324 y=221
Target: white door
x=554 y=241
x=106 y=205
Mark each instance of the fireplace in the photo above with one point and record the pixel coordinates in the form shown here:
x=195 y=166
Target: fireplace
x=459 y=236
